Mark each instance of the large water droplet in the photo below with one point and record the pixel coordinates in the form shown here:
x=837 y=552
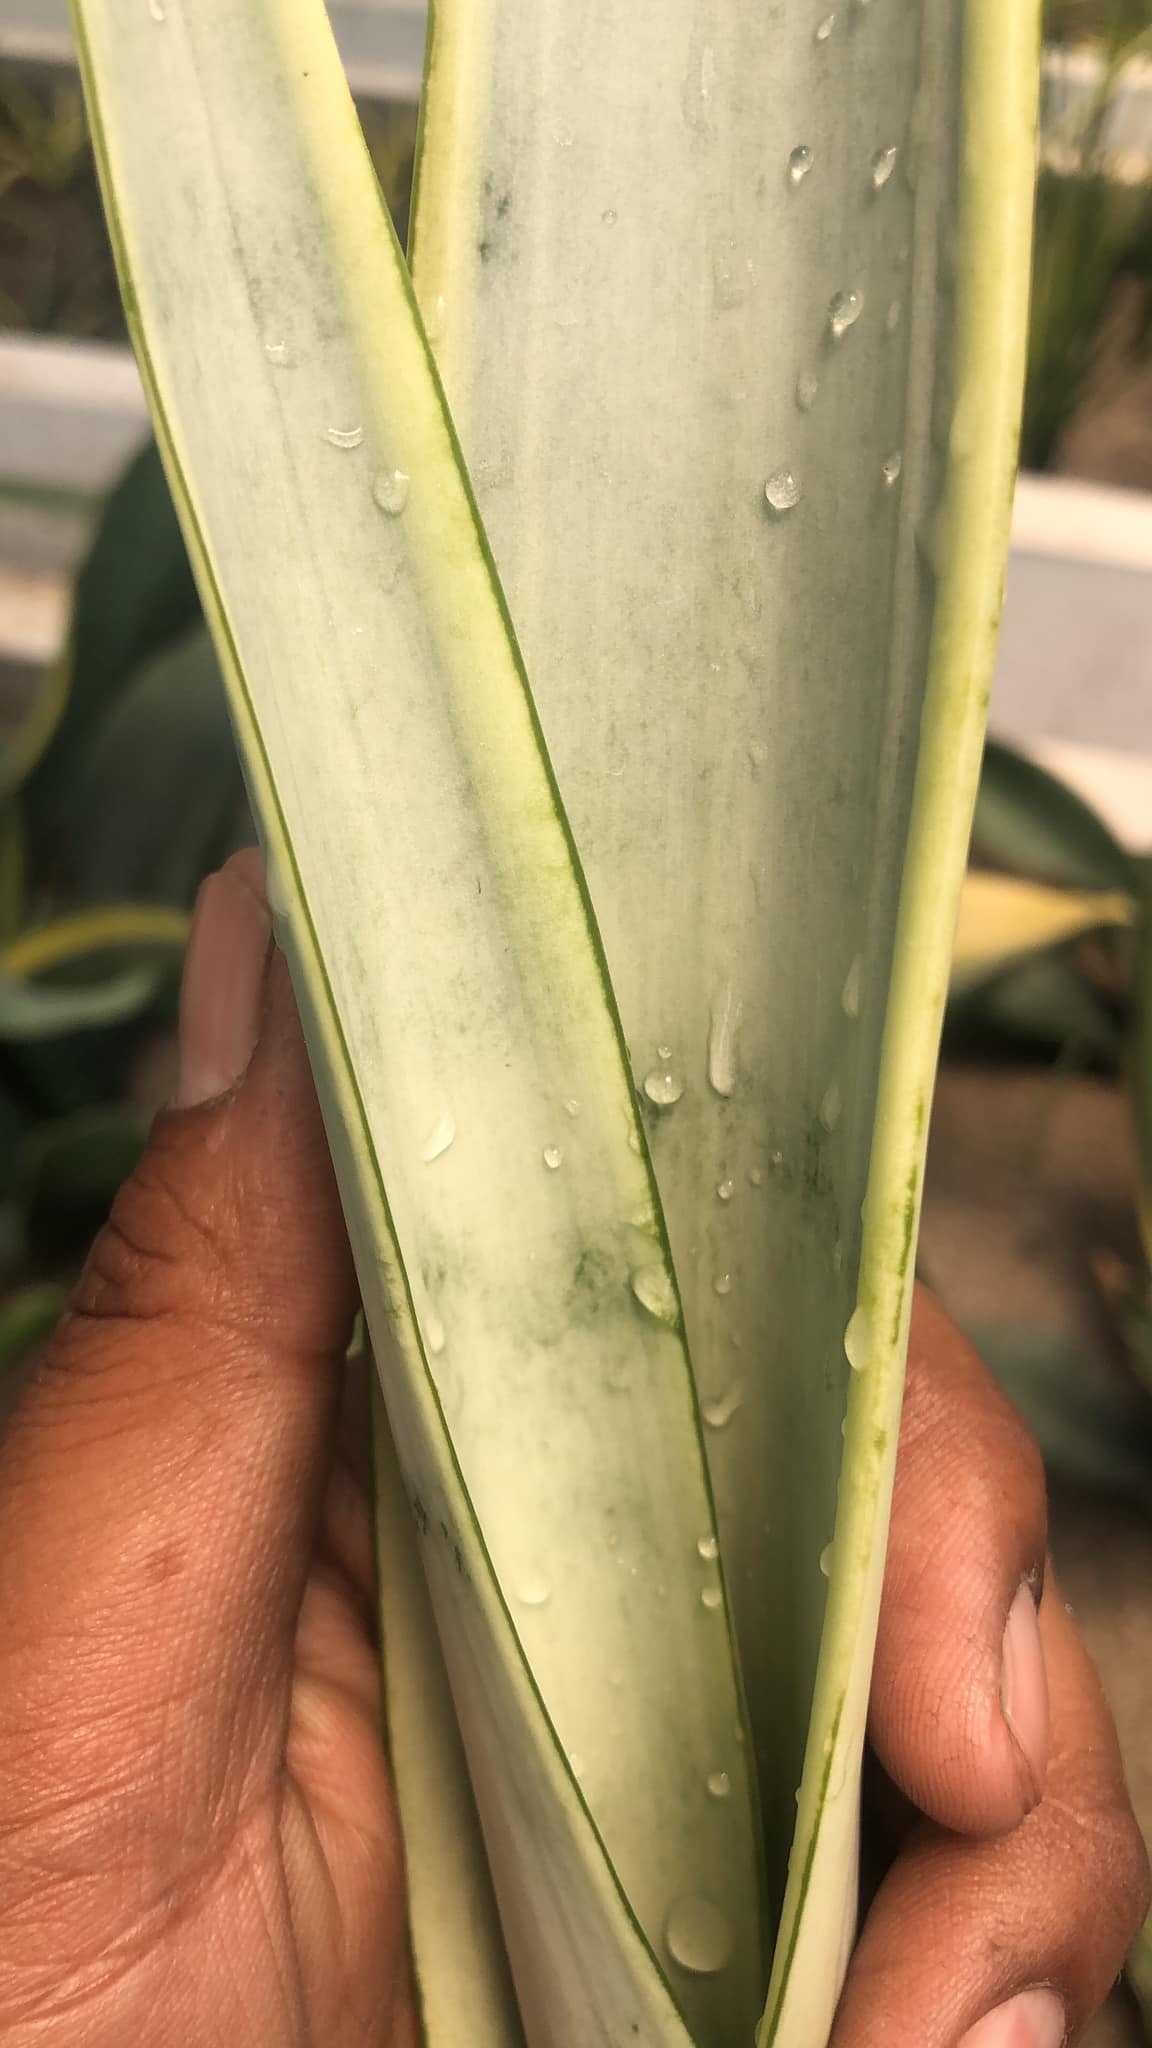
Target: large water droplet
x=719 y=1785
x=733 y=274
x=799 y=164
x=722 y=1284
x=858 y=1340
x=654 y=1291
x=698 y=1936
x=830 y=1106
x=711 y=1598
x=850 y=995
x=663 y=1085
x=890 y=469
x=882 y=166
x=390 y=490
x=826 y=1560
x=783 y=490
x=725 y=1189
x=709 y=1549
x=344 y=437
x=843 y=313
x=533 y=1590
x=439 y=1137
x=824 y=28
x=553 y=1157
x=807 y=390
x=434 y=1335
x=718 y=1414
x=722 y=1029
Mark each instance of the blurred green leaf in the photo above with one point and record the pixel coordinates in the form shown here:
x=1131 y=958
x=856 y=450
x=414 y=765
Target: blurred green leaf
x=76 y=1164
x=11 y=868
x=26 y=1319
x=1029 y=823
x=91 y=968
x=1093 y=1427
x=1044 y=1006
x=153 y=803
x=134 y=593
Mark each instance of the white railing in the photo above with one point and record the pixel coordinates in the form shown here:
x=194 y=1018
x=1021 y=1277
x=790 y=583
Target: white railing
x=382 y=41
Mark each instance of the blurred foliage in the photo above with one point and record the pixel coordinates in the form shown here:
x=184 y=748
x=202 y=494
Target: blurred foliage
x=1092 y=276
x=56 y=269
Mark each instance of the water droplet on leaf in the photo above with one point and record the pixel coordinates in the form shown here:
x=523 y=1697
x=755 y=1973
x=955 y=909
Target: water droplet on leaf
x=663 y=1085
x=344 y=437
x=390 y=491
x=439 y=1137
x=850 y=995
x=807 y=388
x=891 y=469
x=858 y=1341
x=881 y=169
x=722 y=1284
x=783 y=490
x=553 y=1157
x=434 y=1335
x=719 y=1785
x=831 y=1106
x=843 y=313
x=534 y=1591
x=826 y=1560
x=799 y=164
x=711 y=1598
x=698 y=1936
x=653 y=1290
x=709 y=1549
x=725 y=1190
x=718 y=1414
x=722 y=1029
x=824 y=28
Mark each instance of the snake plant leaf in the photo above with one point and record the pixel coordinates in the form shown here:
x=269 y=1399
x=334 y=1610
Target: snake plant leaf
x=1004 y=919
x=460 y=1962
x=482 y=1116
x=733 y=343
x=1030 y=823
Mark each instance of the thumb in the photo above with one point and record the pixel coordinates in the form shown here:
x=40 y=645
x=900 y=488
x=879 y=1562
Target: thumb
x=161 y=1474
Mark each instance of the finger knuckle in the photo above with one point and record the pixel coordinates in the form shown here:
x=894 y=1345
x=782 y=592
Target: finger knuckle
x=161 y=1255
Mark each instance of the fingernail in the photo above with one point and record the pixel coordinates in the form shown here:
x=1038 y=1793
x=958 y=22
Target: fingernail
x=1024 y=1687
x=222 y=993
x=1033 y=2019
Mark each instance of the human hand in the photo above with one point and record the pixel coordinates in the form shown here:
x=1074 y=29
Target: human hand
x=198 y=1842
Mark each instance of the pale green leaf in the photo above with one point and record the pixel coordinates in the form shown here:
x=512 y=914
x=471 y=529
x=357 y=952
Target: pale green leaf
x=454 y=994
x=746 y=461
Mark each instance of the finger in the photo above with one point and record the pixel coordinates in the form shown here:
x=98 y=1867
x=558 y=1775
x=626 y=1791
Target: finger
x=959 y=1713
x=1022 y=1935
x=160 y=1479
